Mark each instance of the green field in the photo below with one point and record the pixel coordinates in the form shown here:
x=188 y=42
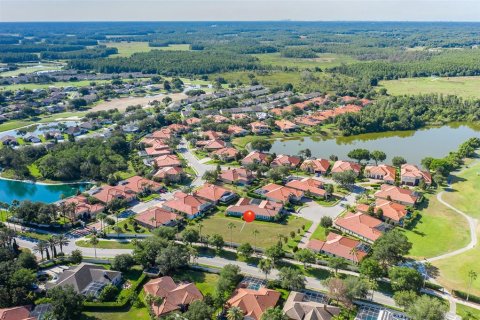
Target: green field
x=324 y=60
x=132 y=313
x=465 y=188
x=174 y=47
x=106 y=244
x=466 y=87
x=126 y=49
x=204 y=281
x=31 y=86
x=243 y=232
x=468 y=313
x=439 y=230
x=15 y=124
x=31 y=68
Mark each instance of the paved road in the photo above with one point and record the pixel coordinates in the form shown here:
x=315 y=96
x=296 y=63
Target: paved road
x=192 y=160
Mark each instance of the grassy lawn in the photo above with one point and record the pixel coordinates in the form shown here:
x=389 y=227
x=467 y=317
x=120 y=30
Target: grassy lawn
x=320 y=233
x=106 y=244
x=324 y=60
x=204 y=281
x=126 y=49
x=468 y=313
x=34 y=171
x=438 y=230
x=465 y=191
x=466 y=87
x=31 y=68
x=130 y=229
x=59 y=84
x=132 y=313
x=243 y=232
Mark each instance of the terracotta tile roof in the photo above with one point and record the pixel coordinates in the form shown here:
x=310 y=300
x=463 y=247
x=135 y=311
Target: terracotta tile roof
x=397 y=194
x=185 y=203
x=162 y=134
x=215 y=145
x=107 y=193
x=218 y=118
x=192 y=121
x=341 y=166
x=391 y=210
x=176 y=127
x=361 y=224
x=169 y=160
x=156 y=217
x=413 y=172
x=285 y=125
x=298 y=308
x=280 y=193
x=211 y=192
x=316 y=165
x=308 y=184
x=237 y=175
x=255 y=156
x=306 y=120
x=387 y=172
x=237 y=116
x=138 y=184
x=259 y=126
x=174 y=296
x=82 y=205
x=228 y=152
x=164 y=172
x=16 y=313
x=339 y=246
x=212 y=135
x=233 y=129
x=262 y=208
x=285 y=160
x=253 y=303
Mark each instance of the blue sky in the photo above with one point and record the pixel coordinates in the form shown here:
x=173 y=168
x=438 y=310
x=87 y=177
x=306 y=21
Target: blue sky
x=216 y=10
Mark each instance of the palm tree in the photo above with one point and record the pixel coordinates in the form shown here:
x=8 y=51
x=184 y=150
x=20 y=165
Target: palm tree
x=6 y=237
x=234 y=313
x=266 y=265
x=354 y=253
x=101 y=216
x=230 y=227
x=255 y=232
x=94 y=242
x=200 y=227
x=472 y=275
x=40 y=247
x=52 y=242
x=62 y=240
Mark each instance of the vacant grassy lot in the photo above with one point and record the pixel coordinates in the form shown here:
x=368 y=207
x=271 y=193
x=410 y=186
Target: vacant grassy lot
x=465 y=187
x=126 y=49
x=466 y=87
x=468 y=313
x=438 y=230
x=324 y=60
x=106 y=244
x=132 y=313
x=58 y=84
x=174 y=47
x=243 y=232
x=204 y=281
x=15 y=124
x=31 y=68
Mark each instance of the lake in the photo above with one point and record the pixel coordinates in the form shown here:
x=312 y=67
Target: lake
x=412 y=145
x=22 y=190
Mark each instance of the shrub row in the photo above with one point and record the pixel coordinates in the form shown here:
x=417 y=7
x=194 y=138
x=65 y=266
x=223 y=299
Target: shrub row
x=463 y=295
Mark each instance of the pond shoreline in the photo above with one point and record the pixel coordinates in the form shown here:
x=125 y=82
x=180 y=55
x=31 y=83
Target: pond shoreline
x=46 y=183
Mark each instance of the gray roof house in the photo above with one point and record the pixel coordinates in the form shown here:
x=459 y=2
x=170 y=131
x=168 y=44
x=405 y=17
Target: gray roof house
x=87 y=278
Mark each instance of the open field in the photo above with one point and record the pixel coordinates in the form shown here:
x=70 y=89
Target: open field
x=122 y=103
x=324 y=60
x=106 y=244
x=466 y=87
x=15 y=124
x=174 y=47
x=468 y=313
x=243 y=232
x=126 y=49
x=31 y=68
x=132 y=313
x=464 y=193
x=439 y=230
x=31 y=86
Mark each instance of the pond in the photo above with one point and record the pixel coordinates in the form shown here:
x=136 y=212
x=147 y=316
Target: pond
x=23 y=190
x=412 y=145
x=38 y=129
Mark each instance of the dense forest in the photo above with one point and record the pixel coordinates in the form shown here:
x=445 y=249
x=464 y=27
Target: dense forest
x=408 y=113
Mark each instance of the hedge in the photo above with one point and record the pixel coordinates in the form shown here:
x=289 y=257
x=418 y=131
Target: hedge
x=433 y=286
x=124 y=303
x=463 y=295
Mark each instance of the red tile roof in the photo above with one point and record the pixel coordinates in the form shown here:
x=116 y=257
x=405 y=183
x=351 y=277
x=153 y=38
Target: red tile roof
x=285 y=160
x=413 y=172
x=280 y=193
x=253 y=303
x=339 y=246
x=185 y=203
x=156 y=217
x=387 y=173
x=82 y=205
x=255 y=156
x=341 y=166
x=308 y=184
x=16 y=313
x=211 y=192
x=396 y=194
x=165 y=172
x=315 y=165
x=361 y=224
x=138 y=184
x=169 y=160
x=237 y=175
x=263 y=208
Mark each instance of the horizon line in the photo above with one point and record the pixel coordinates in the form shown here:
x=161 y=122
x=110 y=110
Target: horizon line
x=276 y=20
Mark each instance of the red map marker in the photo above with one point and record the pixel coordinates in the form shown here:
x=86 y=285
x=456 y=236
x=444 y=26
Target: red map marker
x=248 y=216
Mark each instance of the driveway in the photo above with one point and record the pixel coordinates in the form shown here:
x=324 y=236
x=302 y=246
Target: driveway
x=192 y=160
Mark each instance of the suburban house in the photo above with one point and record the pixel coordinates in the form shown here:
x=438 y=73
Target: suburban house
x=157 y=149
x=162 y=134
x=396 y=194
x=342 y=166
x=286 y=125
x=139 y=184
x=226 y=154
x=255 y=157
x=84 y=209
x=411 y=175
x=381 y=172
x=215 y=194
x=236 y=131
x=107 y=193
x=263 y=209
x=392 y=211
x=287 y=161
x=192 y=121
x=9 y=141
x=174 y=296
x=259 y=127
x=361 y=225
x=240 y=176
x=308 y=186
x=174 y=174
x=317 y=166
x=278 y=193
x=156 y=217
x=212 y=135
x=16 y=313
x=187 y=204
x=253 y=303
x=299 y=307
x=169 y=160
x=87 y=279
x=339 y=246
x=211 y=145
